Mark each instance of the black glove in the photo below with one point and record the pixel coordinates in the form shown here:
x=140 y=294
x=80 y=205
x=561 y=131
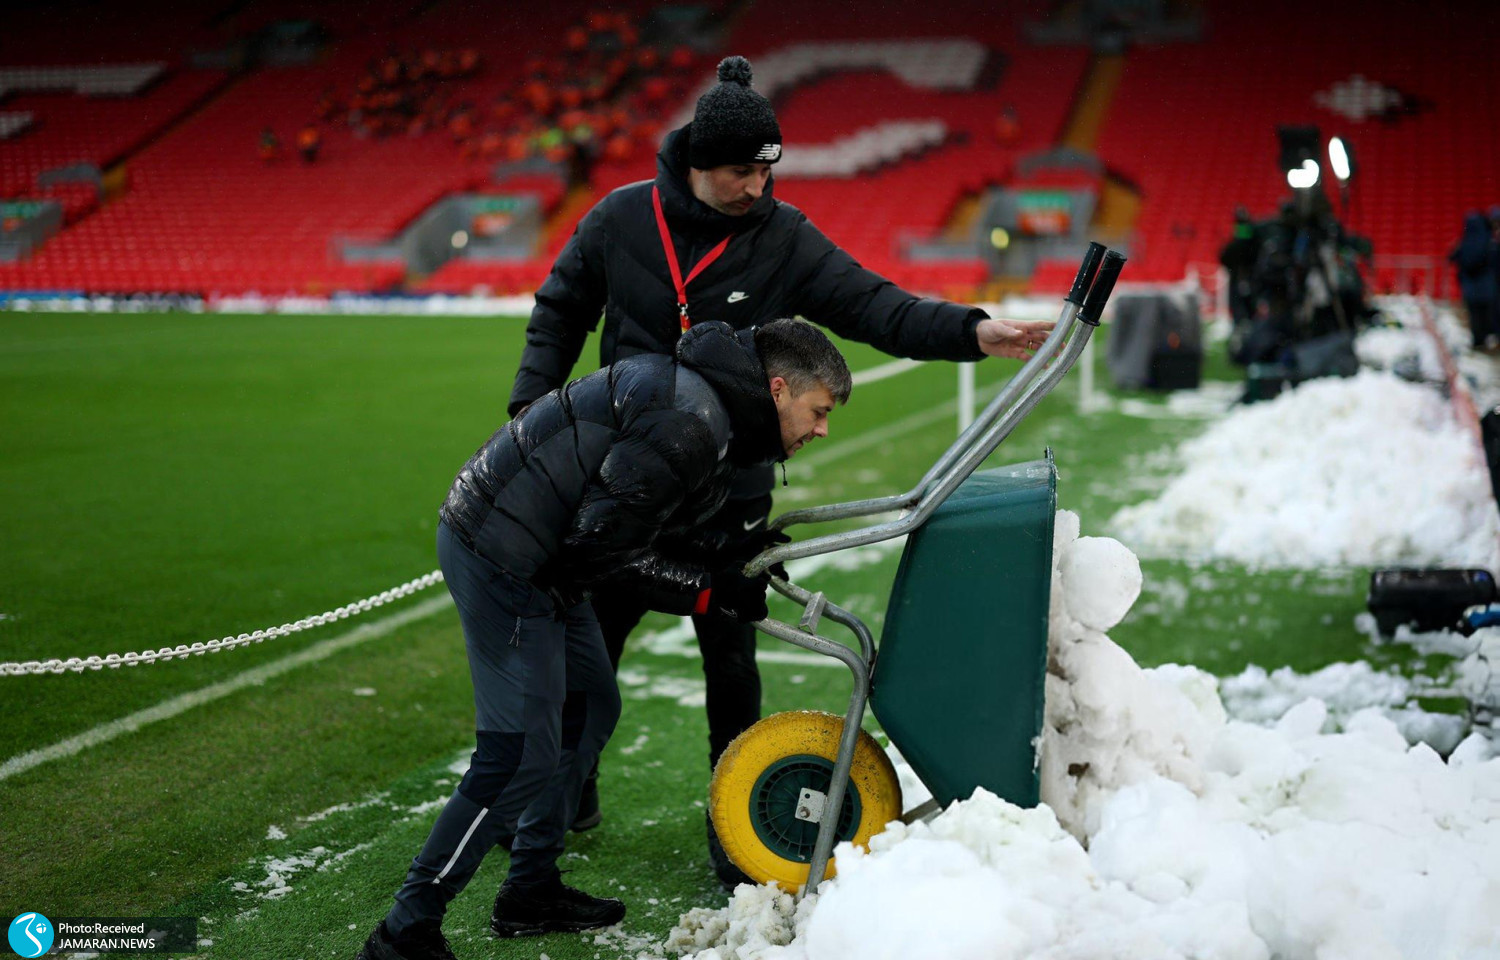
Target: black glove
x=701 y=545
x=757 y=543
x=736 y=595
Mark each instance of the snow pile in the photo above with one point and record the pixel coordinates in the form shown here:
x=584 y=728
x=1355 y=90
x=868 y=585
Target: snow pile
x=756 y=922
x=1406 y=347
x=1405 y=351
x=1369 y=470
x=1409 y=349
x=1108 y=723
x=1476 y=675
x=1259 y=697
x=1345 y=689
x=1200 y=836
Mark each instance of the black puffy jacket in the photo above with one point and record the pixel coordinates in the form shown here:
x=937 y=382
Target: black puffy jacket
x=1475 y=258
x=579 y=485
x=776 y=265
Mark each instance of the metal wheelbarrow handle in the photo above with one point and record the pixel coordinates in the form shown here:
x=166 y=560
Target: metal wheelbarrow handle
x=1097 y=275
x=1085 y=302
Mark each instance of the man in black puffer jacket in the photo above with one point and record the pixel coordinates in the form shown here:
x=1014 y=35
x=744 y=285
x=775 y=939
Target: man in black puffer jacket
x=587 y=483
x=711 y=209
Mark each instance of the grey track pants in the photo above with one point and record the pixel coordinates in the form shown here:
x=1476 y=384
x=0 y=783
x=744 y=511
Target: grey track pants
x=545 y=703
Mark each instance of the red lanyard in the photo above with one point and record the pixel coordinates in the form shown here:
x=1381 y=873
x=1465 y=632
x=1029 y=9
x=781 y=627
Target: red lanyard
x=666 y=245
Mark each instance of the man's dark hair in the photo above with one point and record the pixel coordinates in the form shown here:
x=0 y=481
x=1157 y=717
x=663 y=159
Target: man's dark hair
x=803 y=356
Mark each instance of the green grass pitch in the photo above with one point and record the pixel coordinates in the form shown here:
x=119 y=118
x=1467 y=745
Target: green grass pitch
x=169 y=478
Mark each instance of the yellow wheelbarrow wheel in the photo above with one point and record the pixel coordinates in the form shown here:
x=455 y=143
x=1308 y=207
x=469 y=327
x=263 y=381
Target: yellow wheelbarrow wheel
x=754 y=798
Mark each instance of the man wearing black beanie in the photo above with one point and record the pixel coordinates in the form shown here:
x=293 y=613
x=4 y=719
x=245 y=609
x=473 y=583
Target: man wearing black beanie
x=707 y=240
x=733 y=124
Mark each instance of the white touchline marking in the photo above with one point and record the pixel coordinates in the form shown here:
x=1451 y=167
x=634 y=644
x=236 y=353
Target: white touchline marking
x=255 y=676
x=885 y=370
x=803 y=466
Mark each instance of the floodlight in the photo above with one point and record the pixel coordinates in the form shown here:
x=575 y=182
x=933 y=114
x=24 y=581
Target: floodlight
x=1304 y=177
x=1340 y=159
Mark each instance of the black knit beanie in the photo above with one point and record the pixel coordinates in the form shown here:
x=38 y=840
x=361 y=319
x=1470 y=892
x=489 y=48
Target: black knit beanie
x=733 y=124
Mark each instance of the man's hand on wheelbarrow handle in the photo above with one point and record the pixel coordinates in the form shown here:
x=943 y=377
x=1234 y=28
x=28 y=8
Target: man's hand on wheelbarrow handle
x=1016 y=339
x=733 y=594
x=758 y=543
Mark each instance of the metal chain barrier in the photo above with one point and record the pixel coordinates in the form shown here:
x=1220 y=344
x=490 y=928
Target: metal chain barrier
x=116 y=660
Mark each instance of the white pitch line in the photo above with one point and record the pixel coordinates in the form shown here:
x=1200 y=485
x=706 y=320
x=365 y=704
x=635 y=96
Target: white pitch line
x=885 y=370
x=255 y=676
x=874 y=438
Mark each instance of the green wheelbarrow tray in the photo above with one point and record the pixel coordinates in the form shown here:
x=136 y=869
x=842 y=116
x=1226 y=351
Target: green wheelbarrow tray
x=959 y=686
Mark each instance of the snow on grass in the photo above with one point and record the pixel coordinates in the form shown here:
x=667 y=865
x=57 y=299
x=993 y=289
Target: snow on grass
x=1258 y=696
x=1168 y=831
x=279 y=871
x=615 y=942
x=637 y=684
x=427 y=806
x=373 y=800
x=1476 y=674
x=1370 y=470
x=1346 y=689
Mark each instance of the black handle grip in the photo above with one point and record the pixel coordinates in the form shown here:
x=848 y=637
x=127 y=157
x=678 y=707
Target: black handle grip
x=1086 y=271
x=1104 y=285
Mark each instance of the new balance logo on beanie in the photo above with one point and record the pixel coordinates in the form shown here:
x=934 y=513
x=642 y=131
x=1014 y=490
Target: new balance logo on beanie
x=733 y=123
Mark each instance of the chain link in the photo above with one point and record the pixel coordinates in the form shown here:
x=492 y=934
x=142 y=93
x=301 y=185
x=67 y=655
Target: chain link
x=116 y=660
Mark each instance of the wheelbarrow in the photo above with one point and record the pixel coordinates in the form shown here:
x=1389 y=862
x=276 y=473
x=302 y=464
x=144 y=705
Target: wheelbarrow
x=957 y=682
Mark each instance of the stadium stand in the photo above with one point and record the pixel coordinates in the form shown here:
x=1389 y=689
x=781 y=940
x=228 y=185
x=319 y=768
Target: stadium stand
x=899 y=78
x=70 y=129
x=205 y=213
x=890 y=119
x=1194 y=125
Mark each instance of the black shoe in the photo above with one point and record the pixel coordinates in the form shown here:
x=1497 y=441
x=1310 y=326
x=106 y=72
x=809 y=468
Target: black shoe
x=525 y=911
x=420 y=941
x=730 y=876
x=588 y=816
